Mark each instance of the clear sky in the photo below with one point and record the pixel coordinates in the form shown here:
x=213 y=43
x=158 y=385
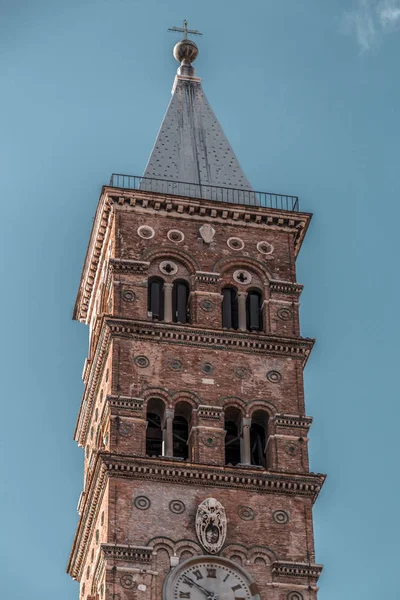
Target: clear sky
x=308 y=93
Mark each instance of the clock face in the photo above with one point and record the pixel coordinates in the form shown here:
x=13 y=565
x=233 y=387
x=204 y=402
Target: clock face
x=210 y=578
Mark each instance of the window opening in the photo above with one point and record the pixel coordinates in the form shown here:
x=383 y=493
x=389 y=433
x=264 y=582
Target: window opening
x=230 y=315
x=155 y=304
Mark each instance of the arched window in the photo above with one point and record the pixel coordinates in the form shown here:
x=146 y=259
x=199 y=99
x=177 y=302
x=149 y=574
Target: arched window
x=155 y=298
x=254 y=310
x=230 y=315
x=233 y=419
x=154 y=431
x=180 y=430
x=258 y=438
x=180 y=302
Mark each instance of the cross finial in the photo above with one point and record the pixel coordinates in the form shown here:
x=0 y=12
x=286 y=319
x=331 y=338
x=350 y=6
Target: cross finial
x=185 y=30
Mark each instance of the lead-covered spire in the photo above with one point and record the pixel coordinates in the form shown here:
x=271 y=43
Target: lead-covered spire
x=191 y=145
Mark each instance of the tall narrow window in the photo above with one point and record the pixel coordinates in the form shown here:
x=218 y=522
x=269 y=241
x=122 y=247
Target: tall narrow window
x=258 y=438
x=155 y=302
x=180 y=302
x=180 y=430
x=230 y=318
x=154 y=432
x=232 y=436
x=253 y=310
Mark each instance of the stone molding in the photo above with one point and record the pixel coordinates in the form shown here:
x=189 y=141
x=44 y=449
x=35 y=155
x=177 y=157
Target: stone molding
x=294 y=569
x=135 y=404
x=206 y=277
x=122 y=265
x=210 y=412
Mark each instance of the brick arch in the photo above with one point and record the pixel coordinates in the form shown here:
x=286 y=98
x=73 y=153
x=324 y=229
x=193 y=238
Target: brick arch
x=264 y=552
x=184 y=545
x=227 y=401
x=175 y=548
x=156 y=392
x=186 y=396
x=235 y=550
x=260 y=404
x=223 y=264
x=169 y=252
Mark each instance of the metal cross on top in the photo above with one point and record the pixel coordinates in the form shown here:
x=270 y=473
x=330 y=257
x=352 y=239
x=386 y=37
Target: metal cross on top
x=185 y=30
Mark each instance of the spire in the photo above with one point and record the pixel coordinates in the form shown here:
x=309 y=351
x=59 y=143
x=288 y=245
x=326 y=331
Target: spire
x=191 y=146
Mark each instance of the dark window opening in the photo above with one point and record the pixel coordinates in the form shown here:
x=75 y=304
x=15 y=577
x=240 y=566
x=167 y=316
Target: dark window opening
x=180 y=430
x=253 y=311
x=180 y=302
x=258 y=438
x=233 y=419
x=230 y=315
x=155 y=303
x=154 y=431
x=180 y=438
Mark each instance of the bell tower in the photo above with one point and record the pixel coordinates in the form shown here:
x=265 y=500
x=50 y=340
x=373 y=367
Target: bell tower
x=193 y=423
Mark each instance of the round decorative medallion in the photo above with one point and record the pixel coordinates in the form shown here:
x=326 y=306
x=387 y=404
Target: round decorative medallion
x=146 y=232
x=142 y=502
x=168 y=267
x=265 y=248
x=127 y=582
x=235 y=243
x=295 y=596
x=126 y=429
x=241 y=372
x=274 y=376
x=176 y=236
x=246 y=513
x=141 y=361
x=207 y=368
x=177 y=507
x=281 y=517
x=285 y=314
x=242 y=277
x=128 y=295
x=175 y=364
x=291 y=449
x=210 y=441
x=207 y=305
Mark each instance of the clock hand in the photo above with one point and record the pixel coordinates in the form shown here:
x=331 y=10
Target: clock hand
x=191 y=582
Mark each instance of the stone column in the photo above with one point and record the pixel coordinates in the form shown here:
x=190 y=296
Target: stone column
x=246 y=456
x=167 y=432
x=242 y=310
x=168 y=302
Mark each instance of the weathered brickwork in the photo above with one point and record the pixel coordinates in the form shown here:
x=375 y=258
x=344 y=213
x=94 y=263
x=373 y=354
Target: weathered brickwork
x=137 y=512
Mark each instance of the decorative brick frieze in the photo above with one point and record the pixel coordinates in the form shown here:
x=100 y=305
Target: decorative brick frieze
x=293 y=421
x=122 y=552
x=119 y=266
x=210 y=412
x=293 y=569
x=135 y=404
x=285 y=287
x=205 y=277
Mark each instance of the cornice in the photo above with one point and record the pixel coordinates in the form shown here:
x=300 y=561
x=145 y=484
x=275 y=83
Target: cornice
x=294 y=569
x=285 y=287
x=169 y=471
x=189 y=208
x=91 y=504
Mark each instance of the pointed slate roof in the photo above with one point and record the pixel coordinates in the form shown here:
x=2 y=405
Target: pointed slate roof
x=191 y=146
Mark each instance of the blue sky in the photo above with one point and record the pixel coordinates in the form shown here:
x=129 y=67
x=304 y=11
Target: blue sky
x=308 y=94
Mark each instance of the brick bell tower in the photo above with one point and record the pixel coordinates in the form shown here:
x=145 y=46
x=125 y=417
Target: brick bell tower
x=196 y=475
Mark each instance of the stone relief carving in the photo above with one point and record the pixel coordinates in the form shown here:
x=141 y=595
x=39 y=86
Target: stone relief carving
x=207 y=232
x=211 y=525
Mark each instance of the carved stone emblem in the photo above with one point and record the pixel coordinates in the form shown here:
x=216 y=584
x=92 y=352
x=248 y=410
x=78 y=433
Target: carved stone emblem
x=211 y=525
x=207 y=232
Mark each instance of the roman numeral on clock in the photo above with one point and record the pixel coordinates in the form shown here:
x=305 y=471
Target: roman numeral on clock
x=236 y=587
x=211 y=572
x=198 y=574
x=184 y=594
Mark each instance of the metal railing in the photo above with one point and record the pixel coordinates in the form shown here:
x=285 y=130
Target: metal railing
x=207 y=192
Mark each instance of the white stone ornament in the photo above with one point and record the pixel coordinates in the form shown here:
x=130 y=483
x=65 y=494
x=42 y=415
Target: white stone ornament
x=211 y=525
x=207 y=232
